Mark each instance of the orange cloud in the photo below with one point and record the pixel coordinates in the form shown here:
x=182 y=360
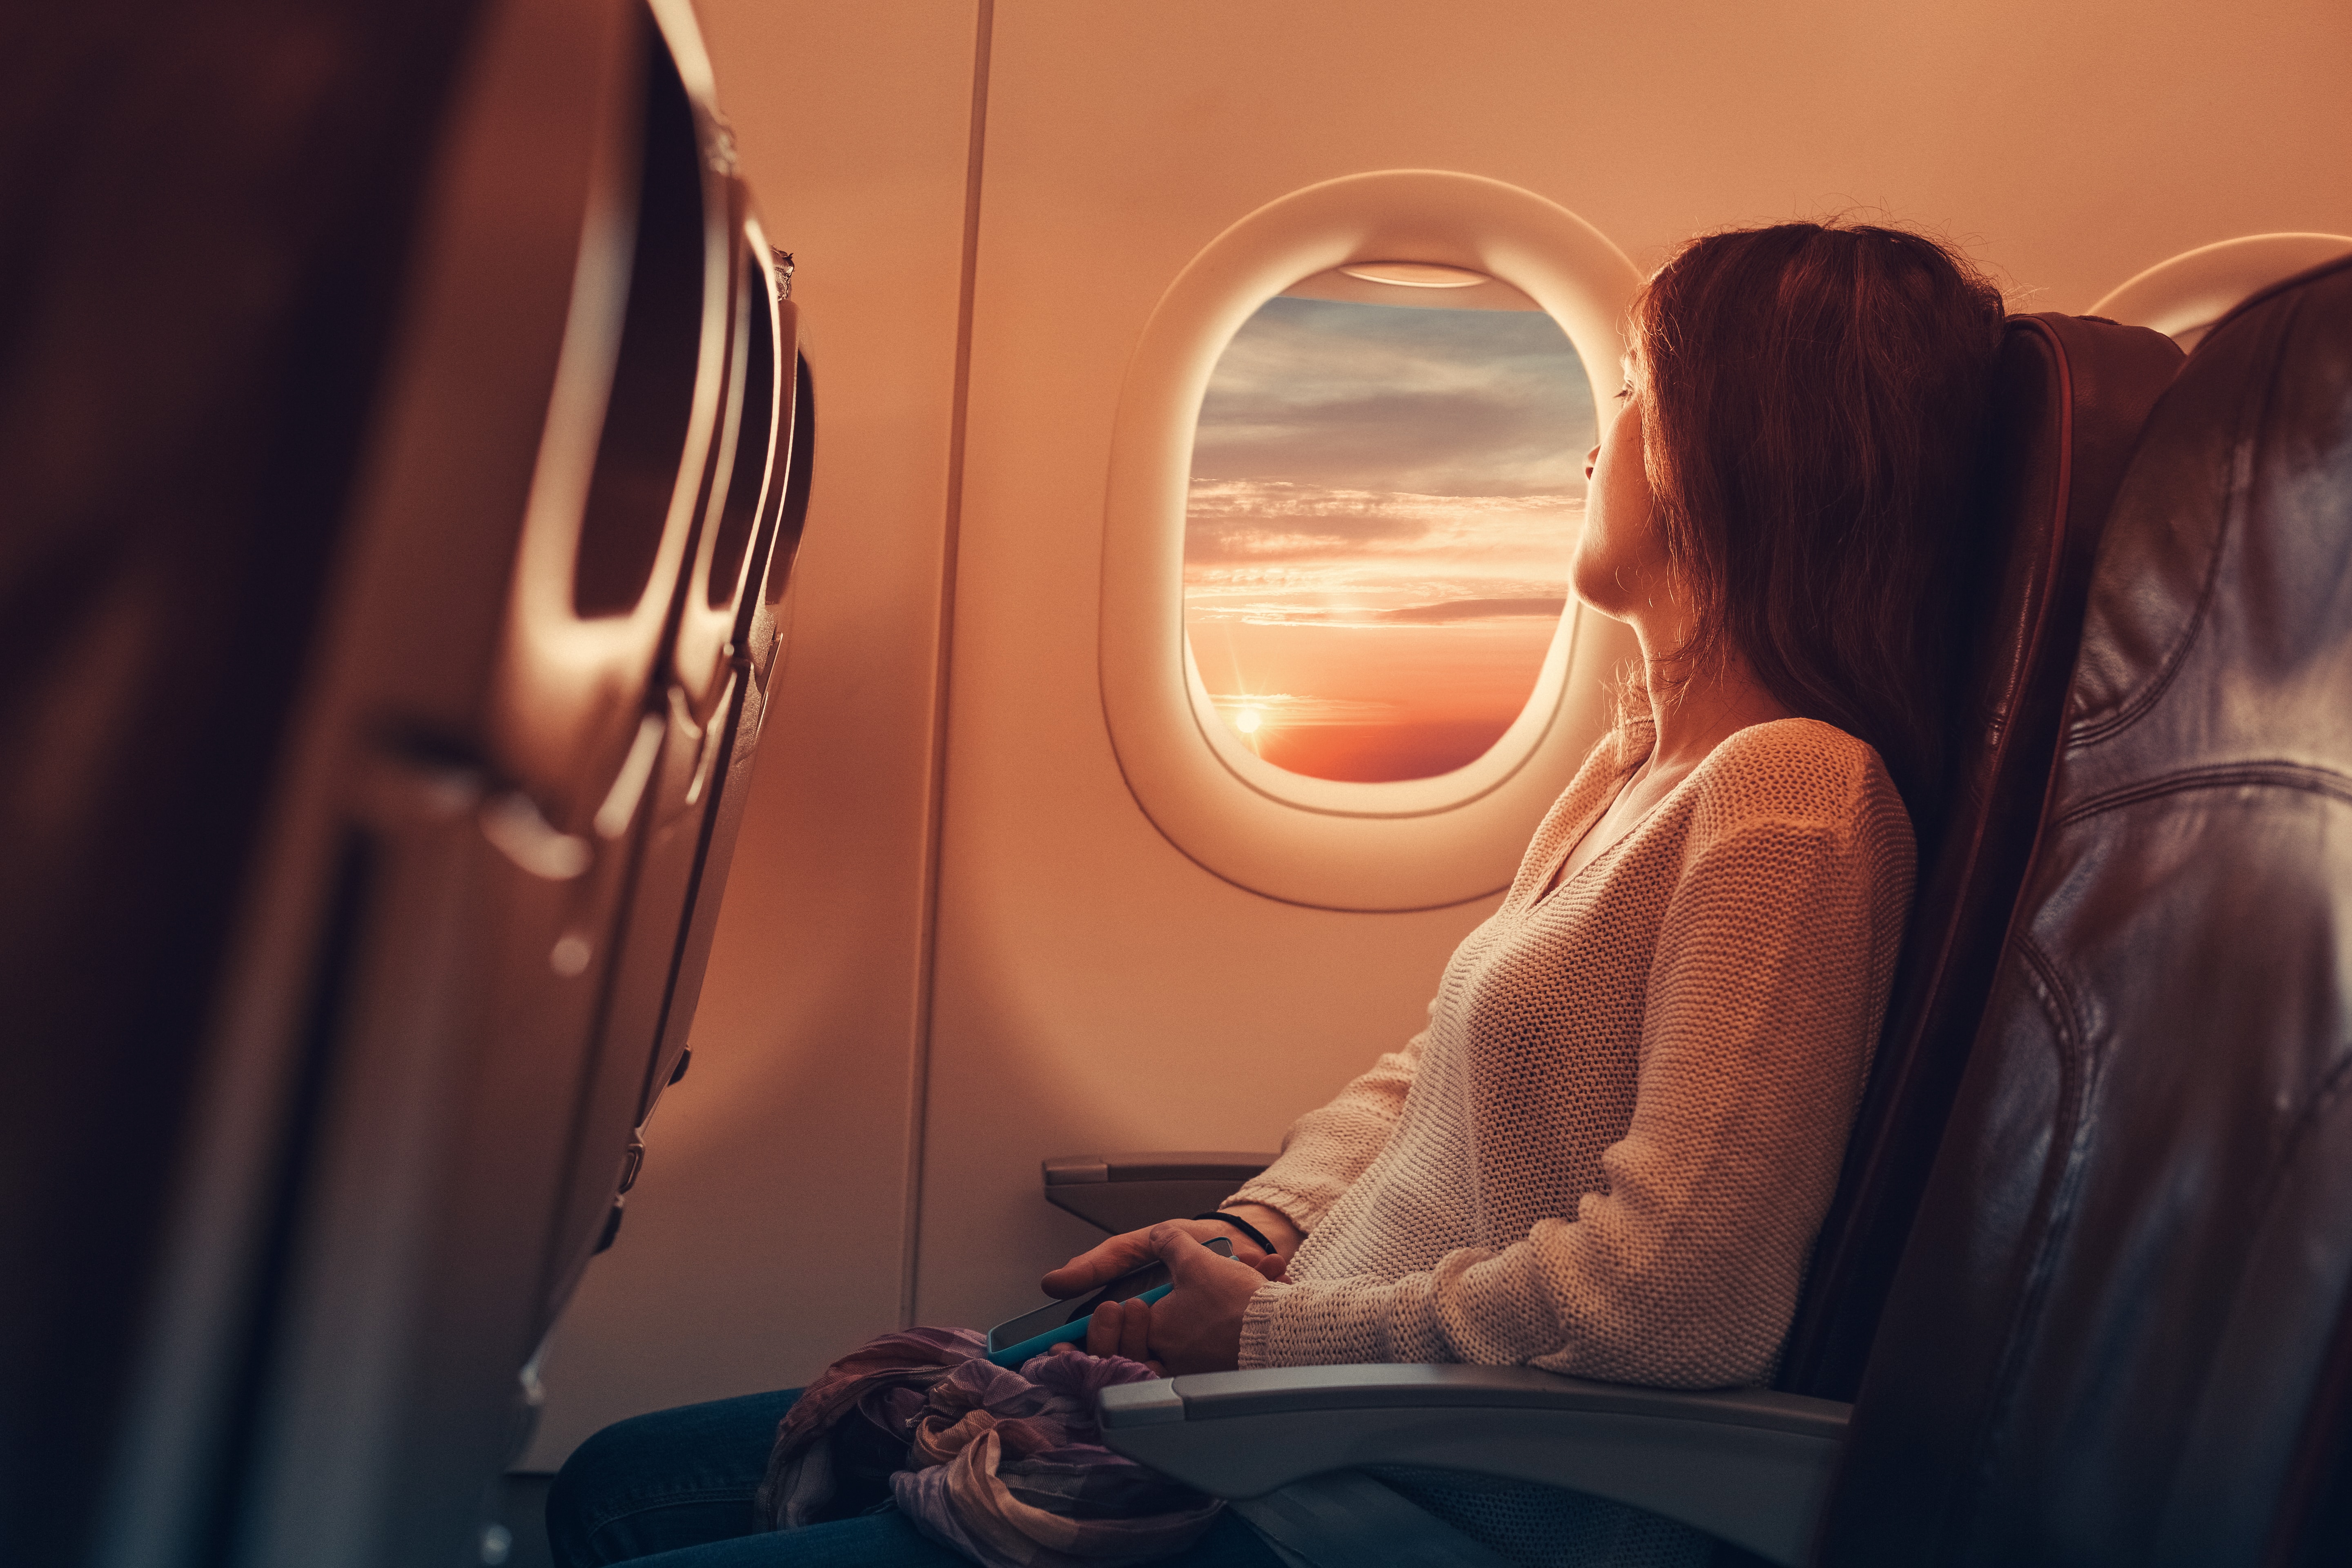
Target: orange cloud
x=1383 y=507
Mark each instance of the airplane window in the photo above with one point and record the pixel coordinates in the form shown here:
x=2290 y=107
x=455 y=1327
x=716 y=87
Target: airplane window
x=1387 y=480
x=1339 y=663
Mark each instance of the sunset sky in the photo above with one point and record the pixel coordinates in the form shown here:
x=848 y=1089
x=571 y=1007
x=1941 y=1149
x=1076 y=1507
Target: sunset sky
x=1384 y=500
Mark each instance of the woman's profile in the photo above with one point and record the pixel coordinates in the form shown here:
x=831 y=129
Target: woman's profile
x=1610 y=1151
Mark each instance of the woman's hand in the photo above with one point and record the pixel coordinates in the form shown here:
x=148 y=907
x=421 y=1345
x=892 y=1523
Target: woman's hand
x=1102 y=1263
x=1197 y=1326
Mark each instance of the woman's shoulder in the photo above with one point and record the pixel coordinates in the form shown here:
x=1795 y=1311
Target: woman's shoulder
x=1796 y=773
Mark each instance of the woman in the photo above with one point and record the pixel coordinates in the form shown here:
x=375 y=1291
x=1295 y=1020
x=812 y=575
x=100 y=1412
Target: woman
x=1610 y=1151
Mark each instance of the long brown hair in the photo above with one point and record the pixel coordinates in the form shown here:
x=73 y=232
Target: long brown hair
x=1815 y=404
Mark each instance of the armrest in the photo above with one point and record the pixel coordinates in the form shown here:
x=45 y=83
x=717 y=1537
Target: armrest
x=1747 y=1465
x=1127 y=1192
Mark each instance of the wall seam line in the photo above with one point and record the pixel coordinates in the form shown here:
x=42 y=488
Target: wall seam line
x=927 y=951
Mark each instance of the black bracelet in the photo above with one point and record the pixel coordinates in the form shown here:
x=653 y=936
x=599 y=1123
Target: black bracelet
x=1245 y=1227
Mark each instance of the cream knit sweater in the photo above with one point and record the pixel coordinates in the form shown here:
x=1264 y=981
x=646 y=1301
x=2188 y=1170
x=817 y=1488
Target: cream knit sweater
x=1609 y=1153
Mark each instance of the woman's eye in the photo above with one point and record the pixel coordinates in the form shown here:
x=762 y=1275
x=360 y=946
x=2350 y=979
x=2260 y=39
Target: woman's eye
x=1624 y=392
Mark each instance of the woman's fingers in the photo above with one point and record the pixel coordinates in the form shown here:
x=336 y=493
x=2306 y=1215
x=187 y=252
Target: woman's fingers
x=1135 y=1332
x=1120 y=1328
x=1103 y=1330
x=1197 y=1327
x=1101 y=1264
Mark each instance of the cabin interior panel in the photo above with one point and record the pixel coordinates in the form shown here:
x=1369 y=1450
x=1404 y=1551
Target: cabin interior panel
x=1092 y=987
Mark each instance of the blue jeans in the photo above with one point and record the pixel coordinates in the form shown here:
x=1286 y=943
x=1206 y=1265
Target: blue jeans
x=673 y=1489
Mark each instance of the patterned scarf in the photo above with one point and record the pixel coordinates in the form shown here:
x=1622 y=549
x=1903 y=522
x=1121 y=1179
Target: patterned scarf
x=1007 y=1468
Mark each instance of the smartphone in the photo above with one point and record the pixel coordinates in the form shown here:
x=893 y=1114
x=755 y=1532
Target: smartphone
x=1015 y=1334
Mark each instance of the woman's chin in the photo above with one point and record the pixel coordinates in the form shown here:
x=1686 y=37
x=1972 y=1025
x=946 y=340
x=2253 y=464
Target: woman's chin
x=1605 y=599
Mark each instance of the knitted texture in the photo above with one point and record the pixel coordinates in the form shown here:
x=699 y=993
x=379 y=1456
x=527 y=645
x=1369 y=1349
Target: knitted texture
x=1609 y=1153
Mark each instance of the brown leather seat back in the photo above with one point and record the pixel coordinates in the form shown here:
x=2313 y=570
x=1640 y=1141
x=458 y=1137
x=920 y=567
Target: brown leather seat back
x=2074 y=392
x=335 y=591
x=2116 y=1332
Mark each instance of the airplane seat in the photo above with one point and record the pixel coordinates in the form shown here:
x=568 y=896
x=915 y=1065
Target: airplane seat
x=714 y=791
x=344 y=615
x=764 y=623
x=705 y=706
x=2073 y=394
x=2121 y=1329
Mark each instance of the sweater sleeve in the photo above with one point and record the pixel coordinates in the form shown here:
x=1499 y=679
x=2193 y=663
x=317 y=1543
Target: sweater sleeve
x=1326 y=1149
x=1764 y=996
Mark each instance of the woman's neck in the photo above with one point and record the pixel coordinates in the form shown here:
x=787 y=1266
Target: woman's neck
x=1692 y=715
x=1693 y=711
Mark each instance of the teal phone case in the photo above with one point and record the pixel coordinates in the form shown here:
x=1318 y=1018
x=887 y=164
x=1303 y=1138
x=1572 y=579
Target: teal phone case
x=1013 y=1355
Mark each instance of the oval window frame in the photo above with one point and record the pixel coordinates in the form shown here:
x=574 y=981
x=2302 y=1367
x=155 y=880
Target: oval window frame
x=1408 y=845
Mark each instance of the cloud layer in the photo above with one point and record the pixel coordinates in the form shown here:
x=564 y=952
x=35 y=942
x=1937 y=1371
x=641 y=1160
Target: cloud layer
x=1384 y=503
x=1383 y=398
x=1353 y=549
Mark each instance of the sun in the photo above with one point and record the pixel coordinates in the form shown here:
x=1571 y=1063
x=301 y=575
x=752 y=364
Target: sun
x=1247 y=721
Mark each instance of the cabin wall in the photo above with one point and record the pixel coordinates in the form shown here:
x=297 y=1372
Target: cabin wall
x=772 y=1218
x=1093 y=988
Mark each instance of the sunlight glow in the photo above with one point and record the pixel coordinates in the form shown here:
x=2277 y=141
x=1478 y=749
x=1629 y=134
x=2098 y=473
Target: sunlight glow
x=1384 y=500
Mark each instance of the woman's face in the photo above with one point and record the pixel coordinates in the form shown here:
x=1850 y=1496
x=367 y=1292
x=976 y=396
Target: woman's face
x=1620 y=567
